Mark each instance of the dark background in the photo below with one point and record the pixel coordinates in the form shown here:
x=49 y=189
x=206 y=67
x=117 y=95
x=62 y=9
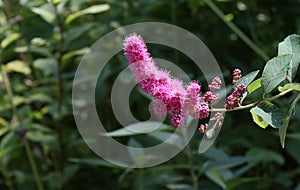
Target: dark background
x=40 y=51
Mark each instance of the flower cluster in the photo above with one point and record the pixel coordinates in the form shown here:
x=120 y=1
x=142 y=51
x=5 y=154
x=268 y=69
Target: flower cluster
x=210 y=96
x=215 y=84
x=171 y=95
x=237 y=75
x=234 y=99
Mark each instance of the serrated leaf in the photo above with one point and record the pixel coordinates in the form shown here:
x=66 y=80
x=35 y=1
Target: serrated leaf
x=254 y=86
x=291 y=44
x=283 y=128
x=275 y=72
x=247 y=79
x=9 y=39
x=18 y=66
x=91 y=10
x=136 y=129
x=267 y=112
x=294 y=86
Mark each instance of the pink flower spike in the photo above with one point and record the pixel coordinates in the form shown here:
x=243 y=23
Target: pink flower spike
x=135 y=49
x=215 y=84
x=237 y=75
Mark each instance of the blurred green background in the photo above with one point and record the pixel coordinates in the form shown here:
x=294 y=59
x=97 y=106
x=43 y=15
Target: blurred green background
x=42 y=43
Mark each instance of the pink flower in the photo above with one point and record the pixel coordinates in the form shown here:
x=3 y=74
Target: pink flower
x=234 y=99
x=170 y=94
x=135 y=49
x=201 y=111
x=210 y=97
x=159 y=108
x=237 y=75
x=215 y=84
x=192 y=95
x=203 y=128
x=155 y=81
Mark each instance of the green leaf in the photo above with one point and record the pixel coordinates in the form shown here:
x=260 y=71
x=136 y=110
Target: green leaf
x=40 y=137
x=76 y=32
x=47 y=65
x=9 y=149
x=233 y=183
x=18 y=66
x=230 y=162
x=95 y=162
x=39 y=97
x=66 y=57
x=291 y=44
x=216 y=177
x=247 y=79
x=3 y=130
x=283 y=128
x=264 y=155
x=255 y=85
x=267 y=113
x=275 y=72
x=54 y=2
x=168 y=137
x=137 y=153
x=294 y=86
x=179 y=186
x=136 y=129
x=69 y=171
x=46 y=11
x=258 y=120
x=9 y=39
x=91 y=10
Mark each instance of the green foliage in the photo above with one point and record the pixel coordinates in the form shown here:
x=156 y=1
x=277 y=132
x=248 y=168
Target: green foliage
x=275 y=72
x=267 y=113
x=291 y=45
x=42 y=43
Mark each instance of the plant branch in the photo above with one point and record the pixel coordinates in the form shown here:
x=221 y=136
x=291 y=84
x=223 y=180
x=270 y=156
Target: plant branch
x=242 y=107
x=236 y=30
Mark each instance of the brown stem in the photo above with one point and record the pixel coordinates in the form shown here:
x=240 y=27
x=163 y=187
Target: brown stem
x=252 y=104
x=60 y=91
